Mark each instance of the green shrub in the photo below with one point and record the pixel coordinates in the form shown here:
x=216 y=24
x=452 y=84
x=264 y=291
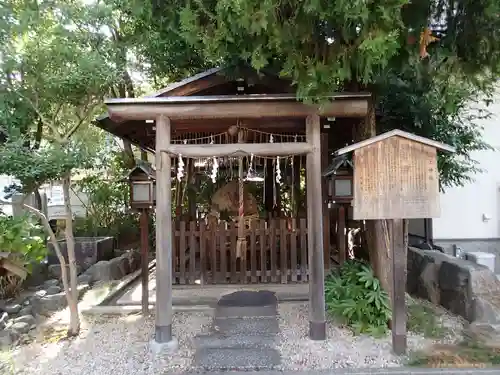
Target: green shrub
x=354 y=295
x=22 y=237
x=107 y=205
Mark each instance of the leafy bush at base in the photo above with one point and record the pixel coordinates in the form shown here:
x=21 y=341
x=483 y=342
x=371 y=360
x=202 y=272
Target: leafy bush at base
x=23 y=239
x=354 y=295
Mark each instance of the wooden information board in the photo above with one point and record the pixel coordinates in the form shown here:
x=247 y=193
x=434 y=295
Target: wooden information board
x=395 y=178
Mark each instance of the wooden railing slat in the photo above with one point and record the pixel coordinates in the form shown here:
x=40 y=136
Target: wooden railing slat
x=203 y=254
x=182 y=252
x=293 y=251
x=303 y=250
x=244 y=260
x=253 y=253
x=193 y=245
x=276 y=252
x=175 y=254
x=213 y=247
x=233 y=232
x=273 y=250
x=283 y=251
x=263 y=251
x=222 y=247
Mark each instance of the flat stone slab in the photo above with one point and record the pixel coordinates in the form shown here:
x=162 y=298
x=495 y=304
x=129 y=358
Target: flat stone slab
x=244 y=298
x=226 y=359
x=248 y=326
x=252 y=311
x=214 y=341
x=243 y=334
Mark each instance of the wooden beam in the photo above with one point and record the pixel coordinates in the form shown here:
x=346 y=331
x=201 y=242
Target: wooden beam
x=163 y=329
x=238 y=149
x=317 y=313
x=235 y=109
x=144 y=223
x=399 y=251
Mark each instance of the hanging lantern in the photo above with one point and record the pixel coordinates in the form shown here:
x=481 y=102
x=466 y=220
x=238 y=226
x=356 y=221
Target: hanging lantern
x=142 y=180
x=340 y=180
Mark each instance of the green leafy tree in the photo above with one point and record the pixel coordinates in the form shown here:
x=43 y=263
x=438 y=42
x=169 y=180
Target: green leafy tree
x=56 y=69
x=327 y=46
x=434 y=101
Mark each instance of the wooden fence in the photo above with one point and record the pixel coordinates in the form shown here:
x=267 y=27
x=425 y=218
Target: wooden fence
x=276 y=253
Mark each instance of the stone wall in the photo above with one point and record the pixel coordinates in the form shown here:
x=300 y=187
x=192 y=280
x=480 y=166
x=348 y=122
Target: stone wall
x=462 y=287
x=88 y=251
x=491 y=246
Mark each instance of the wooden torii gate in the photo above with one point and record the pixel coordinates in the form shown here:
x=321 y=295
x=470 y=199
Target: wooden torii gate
x=165 y=111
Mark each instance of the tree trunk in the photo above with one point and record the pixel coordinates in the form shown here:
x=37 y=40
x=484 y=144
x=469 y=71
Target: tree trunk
x=125 y=89
x=38 y=199
x=74 y=324
x=377 y=232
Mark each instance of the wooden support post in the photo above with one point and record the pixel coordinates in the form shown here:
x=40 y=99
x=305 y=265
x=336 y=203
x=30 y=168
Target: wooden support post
x=144 y=261
x=324 y=204
x=317 y=313
x=163 y=331
x=399 y=288
x=341 y=235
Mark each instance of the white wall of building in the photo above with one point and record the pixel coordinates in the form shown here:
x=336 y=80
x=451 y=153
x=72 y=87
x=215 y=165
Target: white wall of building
x=4 y=182
x=54 y=200
x=473 y=211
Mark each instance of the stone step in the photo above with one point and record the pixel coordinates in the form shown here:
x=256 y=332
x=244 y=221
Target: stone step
x=250 y=327
x=229 y=359
x=219 y=341
x=245 y=312
x=247 y=298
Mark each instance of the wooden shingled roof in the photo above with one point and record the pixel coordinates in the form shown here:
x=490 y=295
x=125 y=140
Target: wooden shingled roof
x=212 y=85
x=395 y=133
x=216 y=81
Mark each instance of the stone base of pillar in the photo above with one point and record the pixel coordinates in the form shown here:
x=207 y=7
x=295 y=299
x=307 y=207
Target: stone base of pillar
x=163 y=347
x=163 y=342
x=317 y=331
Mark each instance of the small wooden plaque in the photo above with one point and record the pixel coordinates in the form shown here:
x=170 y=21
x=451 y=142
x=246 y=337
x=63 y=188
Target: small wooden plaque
x=395 y=178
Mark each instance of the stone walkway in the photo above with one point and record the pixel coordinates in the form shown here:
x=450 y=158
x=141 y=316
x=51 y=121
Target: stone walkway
x=243 y=335
x=208 y=294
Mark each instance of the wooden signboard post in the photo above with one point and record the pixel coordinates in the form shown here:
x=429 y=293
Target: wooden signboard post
x=396 y=178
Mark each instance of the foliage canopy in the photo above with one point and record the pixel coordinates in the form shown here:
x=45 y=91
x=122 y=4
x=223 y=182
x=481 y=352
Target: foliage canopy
x=327 y=46
x=56 y=67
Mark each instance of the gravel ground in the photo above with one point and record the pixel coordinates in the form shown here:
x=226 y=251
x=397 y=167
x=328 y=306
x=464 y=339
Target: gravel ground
x=111 y=345
x=342 y=349
x=119 y=346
